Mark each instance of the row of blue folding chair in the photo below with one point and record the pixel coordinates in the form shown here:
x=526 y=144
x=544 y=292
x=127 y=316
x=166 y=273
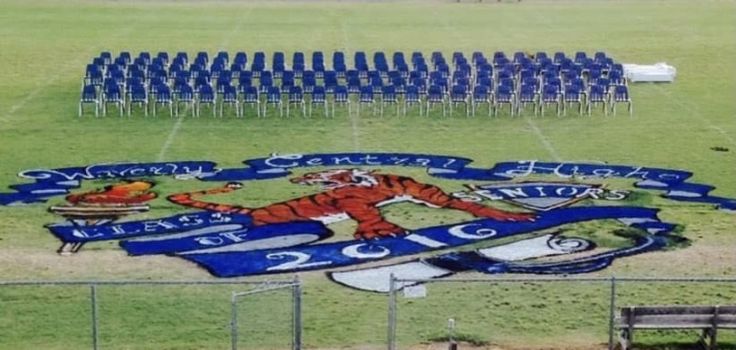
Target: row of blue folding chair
x=360 y=62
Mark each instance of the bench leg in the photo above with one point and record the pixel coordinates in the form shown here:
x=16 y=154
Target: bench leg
x=624 y=339
x=711 y=335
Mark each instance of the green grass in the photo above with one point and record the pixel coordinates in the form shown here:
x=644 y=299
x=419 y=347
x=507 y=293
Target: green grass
x=46 y=45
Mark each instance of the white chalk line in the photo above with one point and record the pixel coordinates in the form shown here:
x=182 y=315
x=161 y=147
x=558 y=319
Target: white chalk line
x=175 y=129
x=545 y=141
x=353 y=121
x=30 y=96
x=169 y=140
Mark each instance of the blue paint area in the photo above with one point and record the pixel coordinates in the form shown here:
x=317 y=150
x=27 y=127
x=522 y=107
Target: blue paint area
x=167 y=225
x=55 y=182
x=296 y=246
x=165 y=245
x=345 y=253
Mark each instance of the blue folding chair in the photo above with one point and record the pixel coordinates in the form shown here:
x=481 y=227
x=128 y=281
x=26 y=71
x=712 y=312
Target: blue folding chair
x=184 y=95
x=250 y=96
x=528 y=95
x=551 y=94
x=138 y=95
x=340 y=96
x=318 y=96
x=621 y=95
x=412 y=97
x=481 y=94
x=163 y=97
x=367 y=97
x=273 y=97
x=459 y=95
x=597 y=96
x=112 y=93
x=230 y=97
x=89 y=96
x=296 y=97
x=573 y=95
x=206 y=96
x=504 y=95
x=436 y=95
x=389 y=96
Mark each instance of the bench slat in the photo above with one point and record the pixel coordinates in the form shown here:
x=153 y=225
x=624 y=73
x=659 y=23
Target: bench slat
x=677 y=317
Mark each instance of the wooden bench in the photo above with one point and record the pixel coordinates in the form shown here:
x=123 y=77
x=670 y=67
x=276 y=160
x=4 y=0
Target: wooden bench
x=709 y=319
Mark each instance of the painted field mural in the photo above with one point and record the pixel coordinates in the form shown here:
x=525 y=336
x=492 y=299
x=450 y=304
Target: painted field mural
x=532 y=200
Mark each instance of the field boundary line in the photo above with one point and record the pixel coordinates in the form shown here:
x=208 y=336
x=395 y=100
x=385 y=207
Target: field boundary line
x=353 y=122
x=545 y=141
x=175 y=129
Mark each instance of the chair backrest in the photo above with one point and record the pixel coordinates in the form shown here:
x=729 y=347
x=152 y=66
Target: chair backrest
x=250 y=94
x=340 y=92
x=319 y=94
x=185 y=93
x=229 y=93
x=138 y=92
x=503 y=91
x=296 y=93
x=89 y=92
x=527 y=92
x=621 y=92
x=435 y=93
x=163 y=93
x=480 y=92
x=206 y=93
x=366 y=94
x=411 y=93
x=389 y=93
x=273 y=94
x=596 y=93
x=459 y=91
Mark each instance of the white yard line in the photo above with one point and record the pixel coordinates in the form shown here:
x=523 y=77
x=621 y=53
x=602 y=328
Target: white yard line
x=175 y=129
x=22 y=103
x=353 y=120
x=545 y=141
x=695 y=113
x=169 y=140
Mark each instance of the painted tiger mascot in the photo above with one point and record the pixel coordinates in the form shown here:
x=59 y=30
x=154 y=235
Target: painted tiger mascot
x=349 y=193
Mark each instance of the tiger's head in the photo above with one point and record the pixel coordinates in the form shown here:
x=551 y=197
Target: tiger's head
x=332 y=179
x=126 y=192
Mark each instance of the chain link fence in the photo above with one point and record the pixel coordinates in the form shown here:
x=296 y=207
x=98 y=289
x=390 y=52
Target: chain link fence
x=195 y=314
x=539 y=312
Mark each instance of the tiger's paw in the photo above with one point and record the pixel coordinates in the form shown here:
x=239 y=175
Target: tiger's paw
x=381 y=231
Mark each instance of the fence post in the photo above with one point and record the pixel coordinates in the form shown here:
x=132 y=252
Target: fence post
x=612 y=313
x=93 y=300
x=392 y=312
x=234 y=321
x=297 y=314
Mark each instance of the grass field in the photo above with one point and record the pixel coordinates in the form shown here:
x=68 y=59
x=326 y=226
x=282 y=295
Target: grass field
x=46 y=45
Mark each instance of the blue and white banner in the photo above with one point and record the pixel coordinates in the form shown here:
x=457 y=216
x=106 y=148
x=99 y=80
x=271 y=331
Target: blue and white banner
x=293 y=234
x=345 y=253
